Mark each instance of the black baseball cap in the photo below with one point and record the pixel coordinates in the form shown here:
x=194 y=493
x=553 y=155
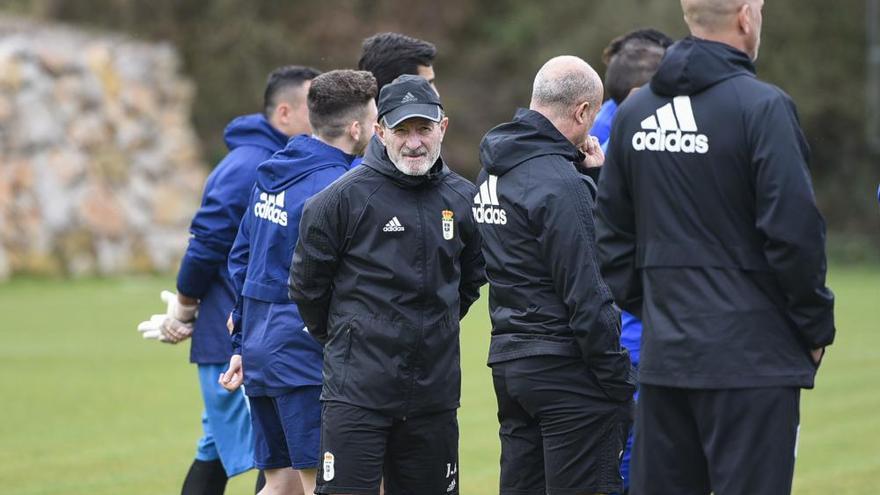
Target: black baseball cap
x=406 y=97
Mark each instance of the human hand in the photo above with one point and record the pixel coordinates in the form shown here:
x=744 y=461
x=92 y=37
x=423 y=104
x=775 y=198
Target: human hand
x=817 y=354
x=594 y=156
x=165 y=329
x=234 y=376
x=230 y=325
x=175 y=325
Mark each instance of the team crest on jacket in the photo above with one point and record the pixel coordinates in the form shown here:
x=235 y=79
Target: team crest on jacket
x=448 y=225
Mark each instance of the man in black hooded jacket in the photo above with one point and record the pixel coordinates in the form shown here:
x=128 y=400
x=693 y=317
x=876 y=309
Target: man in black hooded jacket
x=387 y=263
x=709 y=231
x=563 y=384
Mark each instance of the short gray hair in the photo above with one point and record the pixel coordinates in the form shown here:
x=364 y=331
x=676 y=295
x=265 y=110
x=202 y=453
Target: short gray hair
x=566 y=81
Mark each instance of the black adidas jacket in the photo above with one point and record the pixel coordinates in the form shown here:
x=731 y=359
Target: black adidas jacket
x=385 y=267
x=708 y=227
x=546 y=297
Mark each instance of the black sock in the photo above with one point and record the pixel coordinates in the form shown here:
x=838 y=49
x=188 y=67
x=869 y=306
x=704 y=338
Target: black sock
x=261 y=481
x=205 y=478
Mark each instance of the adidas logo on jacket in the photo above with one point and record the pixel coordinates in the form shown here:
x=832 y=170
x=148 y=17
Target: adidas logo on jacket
x=672 y=128
x=486 y=208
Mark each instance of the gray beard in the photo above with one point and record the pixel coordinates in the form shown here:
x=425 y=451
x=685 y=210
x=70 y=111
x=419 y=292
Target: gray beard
x=431 y=158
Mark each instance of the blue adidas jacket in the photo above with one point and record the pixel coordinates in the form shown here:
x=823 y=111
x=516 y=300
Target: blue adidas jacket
x=203 y=274
x=277 y=352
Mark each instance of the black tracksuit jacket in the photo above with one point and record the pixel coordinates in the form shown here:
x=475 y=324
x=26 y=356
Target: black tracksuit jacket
x=385 y=267
x=535 y=214
x=708 y=227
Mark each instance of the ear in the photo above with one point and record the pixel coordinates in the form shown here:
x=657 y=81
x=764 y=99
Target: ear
x=380 y=132
x=443 y=125
x=283 y=112
x=354 y=130
x=744 y=19
x=582 y=112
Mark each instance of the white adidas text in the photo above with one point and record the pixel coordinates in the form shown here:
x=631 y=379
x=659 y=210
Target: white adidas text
x=672 y=128
x=268 y=208
x=486 y=206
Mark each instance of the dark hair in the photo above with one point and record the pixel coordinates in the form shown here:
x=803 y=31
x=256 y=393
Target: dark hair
x=631 y=60
x=283 y=78
x=388 y=55
x=337 y=97
x=647 y=35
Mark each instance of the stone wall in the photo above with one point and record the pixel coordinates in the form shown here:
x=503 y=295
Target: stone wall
x=100 y=169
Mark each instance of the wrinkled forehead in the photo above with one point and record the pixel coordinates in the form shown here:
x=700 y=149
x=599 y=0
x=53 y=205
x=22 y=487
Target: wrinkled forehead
x=415 y=122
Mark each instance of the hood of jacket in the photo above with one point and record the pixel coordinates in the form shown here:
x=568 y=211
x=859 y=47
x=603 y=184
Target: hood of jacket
x=528 y=135
x=253 y=130
x=302 y=156
x=376 y=158
x=693 y=64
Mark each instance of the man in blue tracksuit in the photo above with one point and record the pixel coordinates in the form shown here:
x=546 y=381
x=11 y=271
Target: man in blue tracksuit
x=631 y=60
x=203 y=282
x=274 y=355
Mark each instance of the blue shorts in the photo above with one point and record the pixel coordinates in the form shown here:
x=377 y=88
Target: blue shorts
x=287 y=429
x=226 y=424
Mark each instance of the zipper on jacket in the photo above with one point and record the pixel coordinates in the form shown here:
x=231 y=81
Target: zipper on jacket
x=423 y=295
x=347 y=343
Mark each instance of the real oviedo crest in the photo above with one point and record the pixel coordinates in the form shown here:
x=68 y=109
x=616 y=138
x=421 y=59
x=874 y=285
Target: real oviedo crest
x=448 y=225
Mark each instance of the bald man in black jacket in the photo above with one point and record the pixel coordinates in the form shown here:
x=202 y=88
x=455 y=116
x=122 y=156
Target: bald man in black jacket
x=709 y=231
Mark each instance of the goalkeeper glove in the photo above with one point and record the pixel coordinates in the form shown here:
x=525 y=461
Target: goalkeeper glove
x=175 y=325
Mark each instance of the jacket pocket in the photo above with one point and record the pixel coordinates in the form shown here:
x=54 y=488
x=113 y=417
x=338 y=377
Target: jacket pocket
x=615 y=374
x=337 y=357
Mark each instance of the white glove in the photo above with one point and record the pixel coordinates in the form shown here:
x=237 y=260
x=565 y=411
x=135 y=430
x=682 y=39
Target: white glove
x=175 y=325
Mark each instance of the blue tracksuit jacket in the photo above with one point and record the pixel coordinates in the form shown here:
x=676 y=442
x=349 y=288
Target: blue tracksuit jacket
x=277 y=352
x=251 y=140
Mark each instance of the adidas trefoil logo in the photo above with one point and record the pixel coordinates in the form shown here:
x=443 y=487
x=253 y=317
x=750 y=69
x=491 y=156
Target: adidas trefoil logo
x=486 y=204
x=409 y=98
x=393 y=225
x=271 y=207
x=672 y=128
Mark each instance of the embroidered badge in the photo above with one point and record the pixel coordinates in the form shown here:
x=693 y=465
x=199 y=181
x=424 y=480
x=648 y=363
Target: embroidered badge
x=448 y=225
x=329 y=471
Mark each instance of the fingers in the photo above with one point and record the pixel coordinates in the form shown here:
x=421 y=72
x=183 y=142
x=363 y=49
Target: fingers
x=231 y=380
x=150 y=329
x=167 y=296
x=595 y=157
x=152 y=334
x=592 y=144
x=176 y=332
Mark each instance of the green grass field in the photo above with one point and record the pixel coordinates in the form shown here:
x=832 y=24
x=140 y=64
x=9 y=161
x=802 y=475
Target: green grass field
x=89 y=407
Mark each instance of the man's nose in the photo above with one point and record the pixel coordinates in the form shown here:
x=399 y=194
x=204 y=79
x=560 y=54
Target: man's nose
x=413 y=141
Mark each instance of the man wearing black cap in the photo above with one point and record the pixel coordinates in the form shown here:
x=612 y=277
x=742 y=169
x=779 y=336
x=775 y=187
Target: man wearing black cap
x=387 y=263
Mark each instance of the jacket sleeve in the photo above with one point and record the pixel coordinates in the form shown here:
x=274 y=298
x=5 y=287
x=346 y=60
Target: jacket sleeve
x=315 y=260
x=215 y=224
x=567 y=241
x=787 y=215
x=615 y=234
x=473 y=266
x=238 y=262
